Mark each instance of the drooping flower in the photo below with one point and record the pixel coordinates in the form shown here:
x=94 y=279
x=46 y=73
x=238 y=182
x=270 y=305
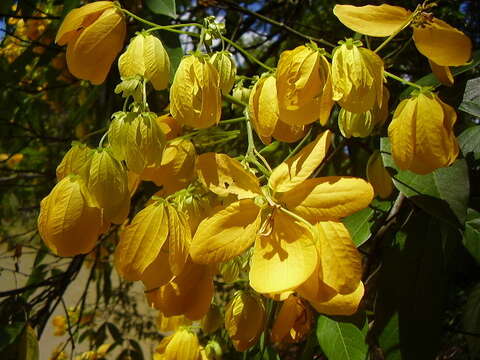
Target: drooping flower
x=146 y=56
x=304 y=86
x=421 y=133
x=94 y=35
x=69 y=223
x=357 y=76
x=441 y=43
x=195 y=98
x=244 y=319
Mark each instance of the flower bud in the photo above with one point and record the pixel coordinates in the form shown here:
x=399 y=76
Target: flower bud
x=213 y=351
x=303 y=86
x=244 y=319
x=355 y=124
x=241 y=94
x=357 y=75
x=195 y=98
x=294 y=321
x=94 y=35
x=226 y=69
x=378 y=176
x=421 y=133
x=183 y=345
x=146 y=56
x=68 y=222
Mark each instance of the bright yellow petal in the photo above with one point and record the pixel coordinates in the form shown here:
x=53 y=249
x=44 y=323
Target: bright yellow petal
x=442 y=73
x=442 y=43
x=378 y=176
x=341 y=304
x=263 y=106
x=179 y=239
x=132 y=61
x=157 y=62
x=341 y=263
x=227 y=233
x=158 y=273
x=299 y=167
x=224 y=175
x=328 y=198
x=285 y=258
x=184 y=345
x=141 y=241
x=381 y=21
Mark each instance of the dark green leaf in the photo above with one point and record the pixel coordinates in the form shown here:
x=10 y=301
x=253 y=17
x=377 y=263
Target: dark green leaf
x=469 y=141
x=471 y=320
x=116 y=334
x=471 y=235
x=341 y=340
x=471 y=98
x=359 y=224
x=6 y=6
x=137 y=353
x=162 y=7
x=8 y=334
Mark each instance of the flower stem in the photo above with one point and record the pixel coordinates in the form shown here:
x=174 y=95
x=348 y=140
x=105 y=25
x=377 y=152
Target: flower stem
x=395 y=33
x=247 y=54
x=403 y=81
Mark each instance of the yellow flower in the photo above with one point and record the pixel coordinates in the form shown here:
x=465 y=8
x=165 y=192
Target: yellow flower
x=421 y=134
x=183 y=345
x=244 y=319
x=226 y=69
x=146 y=56
x=279 y=219
x=68 y=222
x=293 y=322
x=357 y=75
x=195 y=98
x=12 y=161
x=59 y=322
x=264 y=113
x=304 y=86
x=378 y=176
x=441 y=43
x=94 y=35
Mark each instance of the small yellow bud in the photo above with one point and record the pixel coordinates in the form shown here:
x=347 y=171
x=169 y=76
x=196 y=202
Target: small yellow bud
x=226 y=69
x=195 y=98
x=146 y=56
x=244 y=319
x=355 y=124
x=357 y=75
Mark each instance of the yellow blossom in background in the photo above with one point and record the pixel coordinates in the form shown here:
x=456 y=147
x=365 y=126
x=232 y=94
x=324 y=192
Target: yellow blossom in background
x=441 y=43
x=59 y=322
x=11 y=160
x=195 y=98
x=421 y=133
x=146 y=56
x=378 y=176
x=244 y=319
x=94 y=35
x=304 y=86
x=357 y=75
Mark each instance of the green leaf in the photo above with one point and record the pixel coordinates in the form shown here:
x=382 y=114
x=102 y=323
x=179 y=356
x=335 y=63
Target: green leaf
x=341 y=340
x=116 y=334
x=162 y=7
x=469 y=141
x=471 y=320
x=443 y=193
x=471 y=235
x=10 y=333
x=471 y=98
x=6 y=6
x=360 y=224
x=389 y=339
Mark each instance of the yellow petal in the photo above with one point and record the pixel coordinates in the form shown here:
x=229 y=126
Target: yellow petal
x=73 y=161
x=341 y=304
x=158 y=273
x=328 y=198
x=442 y=73
x=224 y=175
x=184 y=345
x=299 y=167
x=80 y=18
x=289 y=133
x=141 y=241
x=157 y=62
x=442 y=43
x=382 y=20
x=91 y=54
x=244 y=319
x=293 y=322
x=179 y=239
x=226 y=68
x=263 y=106
x=341 y=263
x=227 y=233
x=66 y=223
x=212 y=321
x=171 y=323
x=189 y=293
x=355 y=124
x=132 y=61
x=378 y=176
x=285 y=258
